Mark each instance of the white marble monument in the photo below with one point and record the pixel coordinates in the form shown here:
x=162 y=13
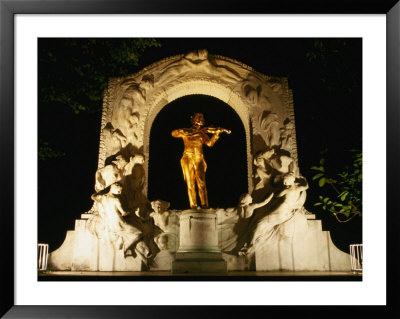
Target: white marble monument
x=269 y=230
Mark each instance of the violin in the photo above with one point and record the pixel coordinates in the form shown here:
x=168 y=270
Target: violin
x=216 y=130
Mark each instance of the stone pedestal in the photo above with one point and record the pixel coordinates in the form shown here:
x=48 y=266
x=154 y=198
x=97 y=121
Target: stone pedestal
x=198 y=244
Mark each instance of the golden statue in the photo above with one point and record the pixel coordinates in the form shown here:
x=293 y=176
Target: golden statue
x=192 y=162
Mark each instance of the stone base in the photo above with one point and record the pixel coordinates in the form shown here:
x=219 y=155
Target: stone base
x=198 y=250
x=299 y=244
x=198 y=266
x=83 y=251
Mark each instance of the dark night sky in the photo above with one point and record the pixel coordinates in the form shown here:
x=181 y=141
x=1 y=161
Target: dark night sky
x=323 y=118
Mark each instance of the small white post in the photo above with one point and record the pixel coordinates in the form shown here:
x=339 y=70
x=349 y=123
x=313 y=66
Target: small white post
x=356 y=257
x=43 y=254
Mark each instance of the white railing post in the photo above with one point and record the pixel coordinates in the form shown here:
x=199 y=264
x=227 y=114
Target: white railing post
x=43 y=255
x=356 y=257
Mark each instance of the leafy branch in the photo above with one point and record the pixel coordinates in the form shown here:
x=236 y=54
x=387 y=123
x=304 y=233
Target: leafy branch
x=347 y=186
x=75 y=71
x=45 y=151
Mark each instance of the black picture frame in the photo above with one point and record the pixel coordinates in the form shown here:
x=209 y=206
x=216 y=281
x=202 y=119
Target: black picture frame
x=8 y=10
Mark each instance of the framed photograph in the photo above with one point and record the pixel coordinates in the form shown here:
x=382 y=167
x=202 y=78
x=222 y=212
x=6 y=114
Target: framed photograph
x=368 y=32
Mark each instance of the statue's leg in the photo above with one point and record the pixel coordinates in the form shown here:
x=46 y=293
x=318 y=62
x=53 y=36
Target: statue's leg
x=189 y=176
x=201 y=182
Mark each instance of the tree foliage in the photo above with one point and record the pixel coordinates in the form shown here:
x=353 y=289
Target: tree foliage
x=75 y=71
x=337 y=64
x=347 y=185
x=45 y=151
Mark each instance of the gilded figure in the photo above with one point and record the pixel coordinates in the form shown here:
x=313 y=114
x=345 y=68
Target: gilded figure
x=192 y=161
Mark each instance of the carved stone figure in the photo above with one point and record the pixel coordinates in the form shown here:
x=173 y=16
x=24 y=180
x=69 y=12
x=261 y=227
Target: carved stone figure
x=288 y=201
x=160 y=214
x=118 y=171
x=143 y=251
x=263 y=174
x=246 y=206
x=285 y=135
x=264 y=224
x=279 y=162
x=269 y=126
x=115 y=139
x=165 y=256
x=128 y=111
x=192 y=162
x=128 y=117
x=264 y=97
x=234 y=222
x=134 y=182
x=255 y=94
x=270 y=163
x=199 y=60
x=111 y=212
x=138 y=91
x=110 y=174
x=137 y=159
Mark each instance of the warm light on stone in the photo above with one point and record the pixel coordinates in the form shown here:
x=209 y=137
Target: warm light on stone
x=269 y=229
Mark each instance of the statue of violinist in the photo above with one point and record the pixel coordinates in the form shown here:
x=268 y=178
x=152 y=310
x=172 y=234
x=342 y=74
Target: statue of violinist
x=192 y=162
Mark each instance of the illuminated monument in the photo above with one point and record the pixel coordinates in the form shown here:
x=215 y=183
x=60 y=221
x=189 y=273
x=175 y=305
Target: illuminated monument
x=268 y=230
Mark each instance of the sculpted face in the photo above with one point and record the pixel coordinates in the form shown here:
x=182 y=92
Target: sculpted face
x=288 y=180
x=197 y=119
x=157 y=207
x=116 y=189
x=119 y=162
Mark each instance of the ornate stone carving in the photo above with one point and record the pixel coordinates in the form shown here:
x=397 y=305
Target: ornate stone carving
x=264 y=98
x=246 y=206
x=160 y=214
x=251 y=223
x=110 y=174
x=287 y=202
x=270 y=165
x=259 y=100
x=133 y=102
x=286 y=131
x=267 y=216
x=200 y=62
x=134 y=183
x=114 y=138
x=108 y=222
x=120 y=171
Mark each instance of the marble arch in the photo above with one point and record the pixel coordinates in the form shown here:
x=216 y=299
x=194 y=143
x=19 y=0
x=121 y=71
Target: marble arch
x=263 y=103
x=204 y=87
x=280 y=236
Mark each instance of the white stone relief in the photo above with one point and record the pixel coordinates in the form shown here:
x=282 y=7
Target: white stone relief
x=285 y=140
x=263 y=218
x=160 y=214
x=198 y=61
x=110 y=174
x=109 y=223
